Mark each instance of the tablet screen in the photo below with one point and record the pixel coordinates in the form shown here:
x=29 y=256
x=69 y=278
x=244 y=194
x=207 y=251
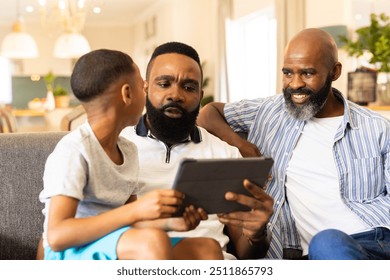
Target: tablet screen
x=205 y=181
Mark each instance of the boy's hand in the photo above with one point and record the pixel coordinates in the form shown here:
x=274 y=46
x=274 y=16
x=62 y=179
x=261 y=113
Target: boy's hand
x=190 y=219
x=158 y=204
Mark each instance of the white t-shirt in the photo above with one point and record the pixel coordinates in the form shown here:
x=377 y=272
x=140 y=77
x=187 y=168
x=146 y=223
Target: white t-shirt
x=312 y=185
x=79 y=167
x=159 y=164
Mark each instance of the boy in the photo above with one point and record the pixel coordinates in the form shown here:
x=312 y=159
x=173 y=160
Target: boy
x=90 y=179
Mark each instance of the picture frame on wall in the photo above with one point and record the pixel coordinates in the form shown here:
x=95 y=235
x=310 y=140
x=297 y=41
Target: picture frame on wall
x=150 y=28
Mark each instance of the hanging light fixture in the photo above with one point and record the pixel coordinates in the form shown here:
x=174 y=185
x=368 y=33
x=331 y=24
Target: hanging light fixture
x=70 y=16
x=71 y=45
x=18 y=44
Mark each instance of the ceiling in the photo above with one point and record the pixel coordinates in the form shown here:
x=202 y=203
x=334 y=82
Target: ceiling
x=114 y=12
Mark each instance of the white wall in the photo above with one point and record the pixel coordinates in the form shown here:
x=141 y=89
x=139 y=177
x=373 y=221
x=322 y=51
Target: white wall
x=189 y=21
x=328 y=13
x=243 y=8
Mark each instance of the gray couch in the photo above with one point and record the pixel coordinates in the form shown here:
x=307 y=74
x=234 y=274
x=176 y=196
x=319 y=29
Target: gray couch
x=22 y=160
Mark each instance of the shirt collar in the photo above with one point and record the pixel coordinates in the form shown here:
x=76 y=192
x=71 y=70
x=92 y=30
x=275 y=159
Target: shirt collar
x=347 y=110
x=347 y=121
x=142 y=130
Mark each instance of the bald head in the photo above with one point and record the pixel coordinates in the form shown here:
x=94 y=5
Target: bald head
x=313 y=42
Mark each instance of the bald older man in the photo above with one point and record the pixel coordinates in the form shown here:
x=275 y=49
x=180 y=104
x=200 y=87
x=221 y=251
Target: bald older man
x=331 y=177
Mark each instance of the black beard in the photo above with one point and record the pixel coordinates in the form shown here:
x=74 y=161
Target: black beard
x=168 y=130
x=314 y=105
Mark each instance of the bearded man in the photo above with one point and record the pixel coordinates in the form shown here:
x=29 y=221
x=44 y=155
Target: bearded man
x=330 y=178
x=167 y=133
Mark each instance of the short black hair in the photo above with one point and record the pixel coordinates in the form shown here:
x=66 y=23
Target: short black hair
x=174 y=47
x=95 y=71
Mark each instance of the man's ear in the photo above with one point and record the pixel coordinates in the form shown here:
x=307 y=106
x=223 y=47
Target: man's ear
x=201 y=94
x=336 y=72
x=126 y=94
x=146 y=87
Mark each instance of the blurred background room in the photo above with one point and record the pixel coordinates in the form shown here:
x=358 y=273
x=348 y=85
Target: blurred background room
x=240 y=42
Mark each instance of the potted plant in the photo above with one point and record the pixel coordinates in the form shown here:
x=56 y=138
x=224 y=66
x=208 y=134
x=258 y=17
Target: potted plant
x=373 y=43
x=61 y=97
x=49 y=82
x=56 y=92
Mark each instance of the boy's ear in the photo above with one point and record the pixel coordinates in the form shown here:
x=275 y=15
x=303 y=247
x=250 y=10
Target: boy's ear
x=126 y=94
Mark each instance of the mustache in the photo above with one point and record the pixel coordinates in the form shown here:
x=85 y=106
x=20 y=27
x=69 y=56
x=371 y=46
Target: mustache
x=292 y=91
x=173 y=105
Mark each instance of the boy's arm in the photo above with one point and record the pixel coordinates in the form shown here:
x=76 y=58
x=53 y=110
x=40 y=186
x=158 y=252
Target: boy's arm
x=65 y=231
x=212 y=118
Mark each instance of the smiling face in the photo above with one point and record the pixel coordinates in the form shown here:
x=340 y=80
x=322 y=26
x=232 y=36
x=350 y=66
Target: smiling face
x=308 y=72
x=173 y=96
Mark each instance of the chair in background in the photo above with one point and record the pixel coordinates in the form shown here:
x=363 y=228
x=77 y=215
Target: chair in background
x=73 y=119
x=7 y=121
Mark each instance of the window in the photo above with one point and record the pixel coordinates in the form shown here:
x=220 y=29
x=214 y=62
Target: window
x=251 y=56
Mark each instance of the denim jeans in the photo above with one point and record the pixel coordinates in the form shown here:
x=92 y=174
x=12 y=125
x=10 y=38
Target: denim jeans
x=332 y=244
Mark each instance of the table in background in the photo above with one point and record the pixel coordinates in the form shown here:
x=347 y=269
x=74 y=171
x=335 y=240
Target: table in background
x=39 y=120
x=383 y=110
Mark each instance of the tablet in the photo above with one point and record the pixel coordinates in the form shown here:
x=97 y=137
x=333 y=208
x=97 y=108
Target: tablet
x=205 y=181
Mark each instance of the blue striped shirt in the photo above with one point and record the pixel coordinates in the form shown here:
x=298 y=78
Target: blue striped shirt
x=361 y=153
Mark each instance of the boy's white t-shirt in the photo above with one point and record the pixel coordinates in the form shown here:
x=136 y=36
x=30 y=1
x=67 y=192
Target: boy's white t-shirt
x=79 y=167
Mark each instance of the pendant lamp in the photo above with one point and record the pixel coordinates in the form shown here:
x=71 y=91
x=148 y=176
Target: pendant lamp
x=71 y=45
x=19 y=44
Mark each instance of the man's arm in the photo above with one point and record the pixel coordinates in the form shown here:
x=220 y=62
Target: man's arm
x=245 y=248
x=212 y=118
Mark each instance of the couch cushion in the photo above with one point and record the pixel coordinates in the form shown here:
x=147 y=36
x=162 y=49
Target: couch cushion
x=22 y=160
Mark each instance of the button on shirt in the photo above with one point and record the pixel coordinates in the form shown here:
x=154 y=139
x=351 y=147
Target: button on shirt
x=361 y=152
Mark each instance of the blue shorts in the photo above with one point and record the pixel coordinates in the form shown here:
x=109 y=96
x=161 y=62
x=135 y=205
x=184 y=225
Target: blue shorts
x=101 y=249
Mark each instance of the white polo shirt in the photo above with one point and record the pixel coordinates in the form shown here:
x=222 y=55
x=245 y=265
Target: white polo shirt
x=159 y=163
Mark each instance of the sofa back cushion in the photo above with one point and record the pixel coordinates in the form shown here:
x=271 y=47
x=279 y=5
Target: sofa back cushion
x=22 y=160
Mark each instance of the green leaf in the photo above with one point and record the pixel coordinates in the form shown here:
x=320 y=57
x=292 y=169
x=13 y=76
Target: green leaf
x=375 y=39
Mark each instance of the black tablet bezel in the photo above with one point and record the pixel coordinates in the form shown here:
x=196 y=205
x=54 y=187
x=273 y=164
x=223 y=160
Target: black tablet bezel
x=205 y=181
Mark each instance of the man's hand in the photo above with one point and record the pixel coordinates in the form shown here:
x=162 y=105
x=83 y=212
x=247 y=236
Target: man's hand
x=247 y=149
x=251 y=223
